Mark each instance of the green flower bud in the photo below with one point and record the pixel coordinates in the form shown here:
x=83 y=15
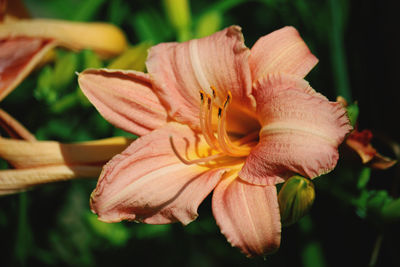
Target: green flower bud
x=295 y=199
x=208 y=24
x=178 y=12
x=133 y=58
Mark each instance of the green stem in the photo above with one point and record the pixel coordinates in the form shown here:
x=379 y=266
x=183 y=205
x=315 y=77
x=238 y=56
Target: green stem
x=22 y=244
x=375 y=251
x=312 y=253
x=338 y=52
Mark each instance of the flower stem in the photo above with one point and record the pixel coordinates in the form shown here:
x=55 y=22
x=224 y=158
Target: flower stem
x=375 y=251
x=338 y=51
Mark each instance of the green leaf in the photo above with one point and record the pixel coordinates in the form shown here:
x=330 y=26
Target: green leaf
x=90 y=59
x=64 y=69
x=116 y=233
x=150 y=26
x=65 y=103
x=391 y=211
x=375 y=205
x=223 y=6
x=118 y=10
x=87 y=10
x=24 y=242
x=363 y=178
x=146 y=231
x=44 y=89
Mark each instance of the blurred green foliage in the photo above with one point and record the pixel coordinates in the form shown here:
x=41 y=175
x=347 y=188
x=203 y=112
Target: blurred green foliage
x=53 y=226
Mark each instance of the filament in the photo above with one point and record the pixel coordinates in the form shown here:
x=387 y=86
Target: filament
x=195 y=161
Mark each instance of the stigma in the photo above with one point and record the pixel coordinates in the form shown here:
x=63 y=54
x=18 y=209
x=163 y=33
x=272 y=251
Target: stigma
x=213 y=125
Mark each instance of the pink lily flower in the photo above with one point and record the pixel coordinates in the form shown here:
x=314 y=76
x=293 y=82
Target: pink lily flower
x=215 y=115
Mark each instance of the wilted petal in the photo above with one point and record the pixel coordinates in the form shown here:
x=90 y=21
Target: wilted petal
x=124 y=98
x=14 y=181
x=360 y=142
x=106 y=39
x=14 y=8
x=148 y=183
x=281 y=51
x=248 y=215
x=18 y=57
x=381 y=162
x=300 y=133
x=180 y=71
x=26 y=154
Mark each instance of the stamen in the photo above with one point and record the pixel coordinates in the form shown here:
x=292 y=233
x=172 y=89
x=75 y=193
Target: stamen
x=222 y=142
x=208 y=130
x=226 y=145
x=228 y=99
x=204 y=109
x=219 y=112
x=209 y=126
x=201 y=115
x=213 y=91
x=250 y=137
x=195 y=161
x=201 y=96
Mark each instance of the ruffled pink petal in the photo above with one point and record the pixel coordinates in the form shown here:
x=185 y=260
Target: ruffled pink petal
x=300 y=133
x=18 y=57
x=180 y=71
x=248 y=215
x=124 y=98
x=281 y=51
x=148 y=183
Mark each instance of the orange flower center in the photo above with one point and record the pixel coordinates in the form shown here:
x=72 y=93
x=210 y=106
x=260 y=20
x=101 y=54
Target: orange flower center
x=217 y=137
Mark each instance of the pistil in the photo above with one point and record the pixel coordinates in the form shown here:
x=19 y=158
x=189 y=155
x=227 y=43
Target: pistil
x=195 y=161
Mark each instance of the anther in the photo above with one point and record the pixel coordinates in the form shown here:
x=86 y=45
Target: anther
x=229 y=96
x=213 y=91
x=228 y=99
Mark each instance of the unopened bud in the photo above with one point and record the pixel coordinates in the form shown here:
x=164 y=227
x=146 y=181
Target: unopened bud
x=178 y=12
x=295 y=199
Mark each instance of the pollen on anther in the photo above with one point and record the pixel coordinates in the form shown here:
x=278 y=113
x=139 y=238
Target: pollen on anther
x=213 y=91
x=201 y=96
x=228 y=99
